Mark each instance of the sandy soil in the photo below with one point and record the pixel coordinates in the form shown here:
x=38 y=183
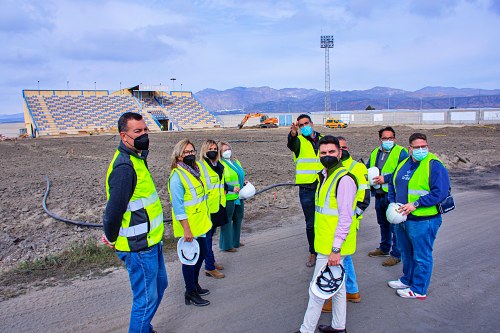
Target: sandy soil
x=77 y=166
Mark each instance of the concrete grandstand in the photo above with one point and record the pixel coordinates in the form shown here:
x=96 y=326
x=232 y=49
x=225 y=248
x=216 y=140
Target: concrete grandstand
x=63 y=112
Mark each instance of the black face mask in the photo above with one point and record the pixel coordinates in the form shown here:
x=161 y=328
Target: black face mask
x=329 y=161
x=141 y=142
x=189 y=160
x=212 y=154
x=345 y=155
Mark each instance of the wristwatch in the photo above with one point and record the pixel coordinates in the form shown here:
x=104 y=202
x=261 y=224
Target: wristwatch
x=416 y=204
x=335 y=250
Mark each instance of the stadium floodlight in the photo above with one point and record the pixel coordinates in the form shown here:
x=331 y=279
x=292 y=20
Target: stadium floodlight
x=95 y=88
x=173 y=83
x=327 y=42
x=38 y=87
x=67 y=86
x=181 y=86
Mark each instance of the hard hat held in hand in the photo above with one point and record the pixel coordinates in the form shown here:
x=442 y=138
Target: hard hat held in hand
x=393 y=214
x=328 y=281
x=188 y=252
x=373 y=172
x=247 y=191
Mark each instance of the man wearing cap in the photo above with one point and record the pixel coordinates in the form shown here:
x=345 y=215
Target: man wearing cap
x=133 y=221
x=359 y=171
x=335 y=232
x=385 y=157
x=420 y=183
x=305 y=157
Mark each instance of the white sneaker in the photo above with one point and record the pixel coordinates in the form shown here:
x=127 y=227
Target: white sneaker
x=397 y=284
x=407 y=293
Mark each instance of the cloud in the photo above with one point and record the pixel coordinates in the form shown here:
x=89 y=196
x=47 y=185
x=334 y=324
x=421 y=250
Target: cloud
x=21 y=17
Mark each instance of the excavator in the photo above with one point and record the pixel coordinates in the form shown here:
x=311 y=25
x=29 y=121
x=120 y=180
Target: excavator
x=265 y=120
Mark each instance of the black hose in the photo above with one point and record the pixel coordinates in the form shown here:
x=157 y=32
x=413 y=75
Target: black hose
x=99 y=225
x=275 y=185
x=59 y=218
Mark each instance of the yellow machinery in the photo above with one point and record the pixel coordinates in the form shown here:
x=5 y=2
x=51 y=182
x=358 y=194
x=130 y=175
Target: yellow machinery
x=265 y=120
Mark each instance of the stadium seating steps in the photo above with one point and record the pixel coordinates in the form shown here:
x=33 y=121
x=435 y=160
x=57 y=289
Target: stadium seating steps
x=86 y=114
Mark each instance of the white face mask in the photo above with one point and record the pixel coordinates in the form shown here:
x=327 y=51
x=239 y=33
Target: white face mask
x=227 y=154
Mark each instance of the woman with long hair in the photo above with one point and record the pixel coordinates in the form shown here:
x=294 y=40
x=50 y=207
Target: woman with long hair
x=190 y=214
x=212 y=176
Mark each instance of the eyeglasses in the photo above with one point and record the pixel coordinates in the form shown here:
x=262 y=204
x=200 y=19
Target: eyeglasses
x=344 y=147
x=189 y=152
x=417 y=147
x=387 y=139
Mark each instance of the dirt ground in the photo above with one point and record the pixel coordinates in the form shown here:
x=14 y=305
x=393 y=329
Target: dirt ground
x=76 y=167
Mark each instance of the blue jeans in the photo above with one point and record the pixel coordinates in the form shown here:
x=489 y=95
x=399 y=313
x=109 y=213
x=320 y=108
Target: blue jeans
x=351 y=285
x=306 y=196
x=209 y=257
x=148 y=281
x=192 y=272
x=416 y=241
x=387 y=233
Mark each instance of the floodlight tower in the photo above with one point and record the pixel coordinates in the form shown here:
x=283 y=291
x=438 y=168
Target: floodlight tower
x=327 y=44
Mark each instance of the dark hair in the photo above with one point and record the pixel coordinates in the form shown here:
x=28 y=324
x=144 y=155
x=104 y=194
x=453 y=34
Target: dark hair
x=124 y=118
x=341 y=138
x=388 y=128
x=327 y=139
x=416 y=136
x=302 y=116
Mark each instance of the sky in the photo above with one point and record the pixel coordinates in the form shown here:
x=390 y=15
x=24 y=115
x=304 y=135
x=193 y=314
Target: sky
x=221 y=44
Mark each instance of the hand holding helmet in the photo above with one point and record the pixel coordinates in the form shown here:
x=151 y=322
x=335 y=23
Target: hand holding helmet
x=394 y=213
x=373 y=173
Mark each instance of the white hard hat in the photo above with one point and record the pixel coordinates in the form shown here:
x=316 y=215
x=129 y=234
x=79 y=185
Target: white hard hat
x=393 y=214
x=373 y=172
x=328 y=281
x=247 y=191
x=188 y=252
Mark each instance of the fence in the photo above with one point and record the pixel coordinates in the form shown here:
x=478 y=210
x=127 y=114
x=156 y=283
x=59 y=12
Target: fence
x=389 y=117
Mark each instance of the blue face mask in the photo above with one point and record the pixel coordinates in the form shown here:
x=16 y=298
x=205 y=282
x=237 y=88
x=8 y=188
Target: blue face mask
x=387 y=145
x=306 y=130
x=420 y=153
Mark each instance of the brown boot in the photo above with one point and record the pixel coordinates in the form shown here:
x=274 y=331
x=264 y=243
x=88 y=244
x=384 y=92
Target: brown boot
x=391 y=261
x=215 y=274
x=354 y=297
x=312 y=260
x=327 y=307
x=218 y=267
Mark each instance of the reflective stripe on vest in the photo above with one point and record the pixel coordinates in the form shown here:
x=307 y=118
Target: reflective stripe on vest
x=390 y=164
x=141 y=203
x=195 y=204
x=326 y=217
x=231 y=178
x=215 y=188
x=418 y=185
x=142 y=223
x=307 y=164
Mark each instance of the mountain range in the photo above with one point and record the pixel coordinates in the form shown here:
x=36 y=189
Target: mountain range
x=288 y=100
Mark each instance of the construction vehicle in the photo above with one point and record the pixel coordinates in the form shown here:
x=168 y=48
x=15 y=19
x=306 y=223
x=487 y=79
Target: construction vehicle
x=265 y=120
x=335 y=123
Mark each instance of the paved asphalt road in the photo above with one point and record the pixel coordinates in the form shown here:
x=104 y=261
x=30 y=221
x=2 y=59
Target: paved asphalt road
x=266 y=286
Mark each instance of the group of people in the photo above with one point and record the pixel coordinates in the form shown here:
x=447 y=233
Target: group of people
x=334 y=191
x=204 y=196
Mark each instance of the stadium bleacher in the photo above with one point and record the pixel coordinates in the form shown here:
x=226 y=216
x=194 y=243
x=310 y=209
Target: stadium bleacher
x=57 y=112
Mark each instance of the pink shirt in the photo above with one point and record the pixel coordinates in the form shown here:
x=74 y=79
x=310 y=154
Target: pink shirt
x=346 y=194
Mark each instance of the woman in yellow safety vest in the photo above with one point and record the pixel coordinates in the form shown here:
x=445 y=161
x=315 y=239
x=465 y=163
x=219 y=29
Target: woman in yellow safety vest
x=190 y=214
x=212 y=176
x=234 y=176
